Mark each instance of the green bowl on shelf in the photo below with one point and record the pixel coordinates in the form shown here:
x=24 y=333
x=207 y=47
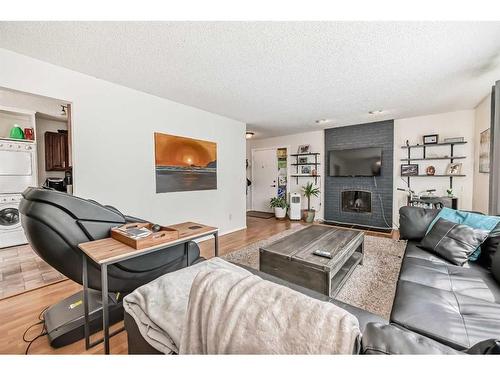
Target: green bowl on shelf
x=16 y=132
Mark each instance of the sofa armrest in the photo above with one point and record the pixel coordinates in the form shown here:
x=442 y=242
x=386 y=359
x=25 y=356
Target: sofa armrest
x=414 y=221
x=389 y=339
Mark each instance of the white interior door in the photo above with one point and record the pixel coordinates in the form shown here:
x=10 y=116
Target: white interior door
x=264 y=175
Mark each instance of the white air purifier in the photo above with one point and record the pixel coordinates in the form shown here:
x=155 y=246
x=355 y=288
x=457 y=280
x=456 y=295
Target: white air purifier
x=295 y=204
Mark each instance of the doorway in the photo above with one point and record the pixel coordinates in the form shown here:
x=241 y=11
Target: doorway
x=35 y=150
x=266 y=179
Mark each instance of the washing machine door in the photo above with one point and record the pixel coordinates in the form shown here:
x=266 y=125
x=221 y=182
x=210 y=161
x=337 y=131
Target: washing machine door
x=9 y=218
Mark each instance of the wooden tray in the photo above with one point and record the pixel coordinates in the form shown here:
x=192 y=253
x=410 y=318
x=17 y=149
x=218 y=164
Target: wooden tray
x=165 y=234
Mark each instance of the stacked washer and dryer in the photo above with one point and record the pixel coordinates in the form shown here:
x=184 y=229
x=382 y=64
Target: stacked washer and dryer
x=18 y=170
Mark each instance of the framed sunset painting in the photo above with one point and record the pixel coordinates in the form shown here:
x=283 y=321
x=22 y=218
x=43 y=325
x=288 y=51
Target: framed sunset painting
x=184 y=164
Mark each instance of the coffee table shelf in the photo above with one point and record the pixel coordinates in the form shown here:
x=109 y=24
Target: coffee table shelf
x=291 y=258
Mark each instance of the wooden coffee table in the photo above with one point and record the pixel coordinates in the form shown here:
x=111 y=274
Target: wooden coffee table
x=291 y=258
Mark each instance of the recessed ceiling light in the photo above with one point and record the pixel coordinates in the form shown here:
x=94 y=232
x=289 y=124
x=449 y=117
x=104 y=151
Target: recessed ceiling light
x=323 y=121
x=377 y=112
x=249 y=135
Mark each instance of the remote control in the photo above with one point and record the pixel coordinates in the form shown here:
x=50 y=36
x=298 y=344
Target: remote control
x=322 y=253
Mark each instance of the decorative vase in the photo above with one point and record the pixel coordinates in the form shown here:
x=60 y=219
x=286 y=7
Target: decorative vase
x=279 y=212
x=431 y=171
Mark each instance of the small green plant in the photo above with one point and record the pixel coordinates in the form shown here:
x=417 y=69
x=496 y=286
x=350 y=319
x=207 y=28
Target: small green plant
x=310 y=191
x=278 y=202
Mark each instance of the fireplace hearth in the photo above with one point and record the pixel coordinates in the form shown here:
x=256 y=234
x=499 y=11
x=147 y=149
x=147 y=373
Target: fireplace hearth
x=359 y=201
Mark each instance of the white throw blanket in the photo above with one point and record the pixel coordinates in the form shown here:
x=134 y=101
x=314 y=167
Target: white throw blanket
x=234 y=313
x=159 y=307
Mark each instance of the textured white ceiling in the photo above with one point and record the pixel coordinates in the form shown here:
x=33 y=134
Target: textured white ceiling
x=279 y=77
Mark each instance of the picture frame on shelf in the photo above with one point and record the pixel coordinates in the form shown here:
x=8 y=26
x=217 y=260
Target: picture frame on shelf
x=454 y=140
x=454 y=169
x=304 y=149
x=409 y=170
x=430 y=139
x=305 y=169
x=302 y=160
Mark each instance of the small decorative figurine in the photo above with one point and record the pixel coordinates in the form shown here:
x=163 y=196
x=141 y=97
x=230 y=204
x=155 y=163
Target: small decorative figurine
x=430 y=170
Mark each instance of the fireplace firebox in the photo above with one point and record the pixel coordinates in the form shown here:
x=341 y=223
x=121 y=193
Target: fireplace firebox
x=357 y=201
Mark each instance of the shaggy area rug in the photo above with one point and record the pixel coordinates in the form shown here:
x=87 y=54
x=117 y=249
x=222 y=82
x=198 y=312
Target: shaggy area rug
x=371 y=286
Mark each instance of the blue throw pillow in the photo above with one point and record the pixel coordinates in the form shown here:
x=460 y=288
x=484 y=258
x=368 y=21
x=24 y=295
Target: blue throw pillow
x=476 y=221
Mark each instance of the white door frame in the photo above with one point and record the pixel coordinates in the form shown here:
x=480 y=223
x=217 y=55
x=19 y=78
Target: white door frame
x=287 y=166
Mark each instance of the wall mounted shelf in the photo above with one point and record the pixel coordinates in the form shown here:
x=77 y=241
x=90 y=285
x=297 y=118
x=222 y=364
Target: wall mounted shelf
x=437 y=175
x=17 y=140
x=297 y=164
x=435 y=144
x=451 y=158
x=309 y=153
x=436 y=158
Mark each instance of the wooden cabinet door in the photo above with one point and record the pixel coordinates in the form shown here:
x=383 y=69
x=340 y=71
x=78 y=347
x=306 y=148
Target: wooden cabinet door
x=56 y=151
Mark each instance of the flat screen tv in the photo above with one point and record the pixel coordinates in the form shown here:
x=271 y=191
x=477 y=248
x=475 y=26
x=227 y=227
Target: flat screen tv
x=355 y=162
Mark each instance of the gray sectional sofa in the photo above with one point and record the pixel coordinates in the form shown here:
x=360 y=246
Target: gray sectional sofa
x=458 y=306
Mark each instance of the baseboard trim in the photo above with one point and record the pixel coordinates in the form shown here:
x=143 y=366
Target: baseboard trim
x=220 y=234
x=232 y=231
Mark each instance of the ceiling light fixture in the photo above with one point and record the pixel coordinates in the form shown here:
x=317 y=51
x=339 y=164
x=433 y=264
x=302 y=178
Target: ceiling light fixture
x=323 y=121
x=377 y=112
x=249 y=135
x=63 y=110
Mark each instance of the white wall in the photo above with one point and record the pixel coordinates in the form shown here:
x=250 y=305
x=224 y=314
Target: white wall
x=317 y=141
x=43 y=126
x=452 y=124
x=113 y=149
x=481 y=197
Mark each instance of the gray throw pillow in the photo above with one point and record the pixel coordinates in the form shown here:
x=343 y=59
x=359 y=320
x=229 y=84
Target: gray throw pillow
x=453 y=242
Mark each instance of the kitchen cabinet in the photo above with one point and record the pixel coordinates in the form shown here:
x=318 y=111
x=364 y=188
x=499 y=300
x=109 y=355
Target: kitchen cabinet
x=56 y=151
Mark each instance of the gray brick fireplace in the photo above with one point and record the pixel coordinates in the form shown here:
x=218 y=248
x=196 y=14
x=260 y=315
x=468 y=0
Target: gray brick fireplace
x=359 y=200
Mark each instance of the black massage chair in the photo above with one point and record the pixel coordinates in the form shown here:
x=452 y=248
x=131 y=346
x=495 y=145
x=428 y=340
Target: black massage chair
x=55 y=223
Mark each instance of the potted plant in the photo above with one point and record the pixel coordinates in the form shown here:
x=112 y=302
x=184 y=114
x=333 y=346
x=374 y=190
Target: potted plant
x=309 y=191
x=279 y=204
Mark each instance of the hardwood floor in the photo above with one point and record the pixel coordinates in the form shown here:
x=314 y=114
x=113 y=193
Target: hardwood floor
x=17 y=313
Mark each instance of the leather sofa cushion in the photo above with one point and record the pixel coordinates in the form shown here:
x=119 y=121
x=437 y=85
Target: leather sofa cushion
x=389 y=339
x=453 y=319
x=495 y=266
x=490 y=247
x=414 y=221
x=474 y=282
x=454 y=242
x=414 y=251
